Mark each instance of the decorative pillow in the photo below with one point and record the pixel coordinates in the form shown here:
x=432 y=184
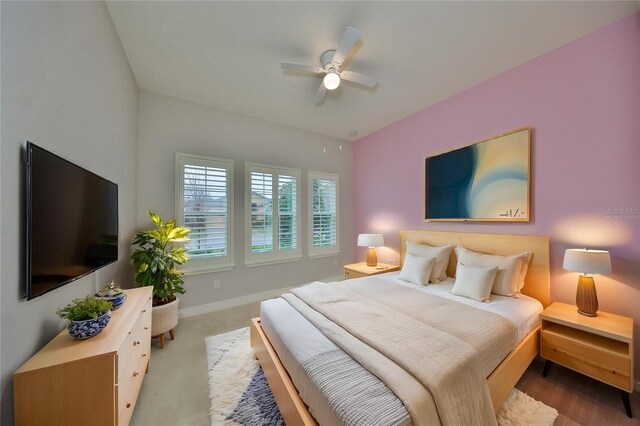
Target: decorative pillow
x=474 y=282
x=416 y=269
x=440 y=253
x=509 y=275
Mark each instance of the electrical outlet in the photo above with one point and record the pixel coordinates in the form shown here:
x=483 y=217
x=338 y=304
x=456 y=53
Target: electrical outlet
x=216 y=283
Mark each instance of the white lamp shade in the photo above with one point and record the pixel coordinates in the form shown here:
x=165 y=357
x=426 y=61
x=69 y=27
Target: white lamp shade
x=370 y=240
x=587 y=261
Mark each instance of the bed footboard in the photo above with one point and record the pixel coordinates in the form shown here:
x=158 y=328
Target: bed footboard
x=293 y=409
x=507 y=374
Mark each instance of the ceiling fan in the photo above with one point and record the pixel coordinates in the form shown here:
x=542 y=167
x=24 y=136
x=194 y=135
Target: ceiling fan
x=332 y=61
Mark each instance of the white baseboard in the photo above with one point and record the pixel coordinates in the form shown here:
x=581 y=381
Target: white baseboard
x=231 y=303
x=242 y=300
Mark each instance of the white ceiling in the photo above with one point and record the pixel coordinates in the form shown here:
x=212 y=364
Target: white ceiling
x=227 y=54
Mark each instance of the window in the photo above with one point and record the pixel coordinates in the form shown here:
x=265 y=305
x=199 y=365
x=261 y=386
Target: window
x=272 y=221
x=323 y=214
x=204 y=203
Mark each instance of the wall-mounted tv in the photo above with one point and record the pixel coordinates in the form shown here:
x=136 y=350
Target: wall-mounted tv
x=484 y=182
x=71 y=221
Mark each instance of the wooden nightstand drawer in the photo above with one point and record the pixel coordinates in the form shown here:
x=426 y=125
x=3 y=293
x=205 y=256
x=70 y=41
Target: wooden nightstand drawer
x=348 y=274
x=598 y=357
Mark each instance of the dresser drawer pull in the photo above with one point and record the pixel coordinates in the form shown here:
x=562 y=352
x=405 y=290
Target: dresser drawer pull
x=128 y=404
x=144 y=355
x=144 y=310
x=146 y=328
x=137 y=342
x=135 y=373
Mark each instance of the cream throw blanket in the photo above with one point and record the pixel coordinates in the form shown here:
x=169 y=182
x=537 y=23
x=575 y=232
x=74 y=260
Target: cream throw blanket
x=406 y=325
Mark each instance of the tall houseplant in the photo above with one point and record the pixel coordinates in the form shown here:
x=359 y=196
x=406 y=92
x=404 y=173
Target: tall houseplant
x=155 y=257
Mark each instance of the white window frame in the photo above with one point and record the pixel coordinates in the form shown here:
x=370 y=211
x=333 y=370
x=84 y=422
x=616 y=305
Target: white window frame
x=334 y=250
x=274 y=256
x=214 y=264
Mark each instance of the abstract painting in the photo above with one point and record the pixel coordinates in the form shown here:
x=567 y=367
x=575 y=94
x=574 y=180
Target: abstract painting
x=487 y=181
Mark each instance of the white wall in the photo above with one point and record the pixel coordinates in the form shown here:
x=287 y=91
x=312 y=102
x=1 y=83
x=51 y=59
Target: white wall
x=66 y=85
x=167 y=125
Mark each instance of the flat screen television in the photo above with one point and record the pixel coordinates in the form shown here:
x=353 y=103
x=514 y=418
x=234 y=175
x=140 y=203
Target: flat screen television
x=71 y=221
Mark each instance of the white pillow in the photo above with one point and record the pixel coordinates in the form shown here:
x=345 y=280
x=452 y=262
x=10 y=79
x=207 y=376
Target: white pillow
x=525 y=267
x=416 y=269
x=509 y=275
x=474 y=283
x=440 y=253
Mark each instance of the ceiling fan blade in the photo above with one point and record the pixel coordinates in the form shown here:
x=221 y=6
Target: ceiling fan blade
x=322 y=92
x=299 y=67
x=351 y=35
x=356 y=77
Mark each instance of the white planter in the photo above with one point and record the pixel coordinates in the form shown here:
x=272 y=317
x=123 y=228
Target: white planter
x=164 y=318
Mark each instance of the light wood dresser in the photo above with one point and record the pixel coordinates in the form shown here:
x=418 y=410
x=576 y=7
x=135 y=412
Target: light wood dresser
x=600 y=347
x=90 y=382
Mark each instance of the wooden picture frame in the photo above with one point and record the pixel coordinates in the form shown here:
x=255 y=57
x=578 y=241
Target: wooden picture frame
x=487 y=181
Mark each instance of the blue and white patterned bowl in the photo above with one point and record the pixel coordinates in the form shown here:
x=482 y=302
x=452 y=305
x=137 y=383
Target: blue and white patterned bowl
x=116 y=301
x=88 y=328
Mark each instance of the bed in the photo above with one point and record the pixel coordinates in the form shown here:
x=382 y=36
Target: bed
x=274 y=336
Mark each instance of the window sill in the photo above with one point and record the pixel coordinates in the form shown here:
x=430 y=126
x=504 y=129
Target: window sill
x=208 y=269
x=261 y=262
x=325 y=254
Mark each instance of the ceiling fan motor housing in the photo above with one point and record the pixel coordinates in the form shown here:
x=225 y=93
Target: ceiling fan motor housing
x=326 y=59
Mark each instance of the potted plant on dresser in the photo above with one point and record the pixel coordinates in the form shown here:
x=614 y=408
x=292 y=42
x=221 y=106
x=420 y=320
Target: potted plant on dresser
x=88 y=316
x=155 y=257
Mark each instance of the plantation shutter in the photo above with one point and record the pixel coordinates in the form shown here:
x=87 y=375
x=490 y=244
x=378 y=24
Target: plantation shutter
x=261 y=212
x=287 y=212
x=273 y=219
x=323 y=208
x=206 y=207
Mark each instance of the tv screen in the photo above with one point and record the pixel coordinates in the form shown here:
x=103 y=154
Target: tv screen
x=71 y=221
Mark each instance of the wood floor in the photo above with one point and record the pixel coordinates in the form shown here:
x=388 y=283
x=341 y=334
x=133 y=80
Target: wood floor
x=579 y=399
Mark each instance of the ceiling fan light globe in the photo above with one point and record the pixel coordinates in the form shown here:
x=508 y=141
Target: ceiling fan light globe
x=331 y=81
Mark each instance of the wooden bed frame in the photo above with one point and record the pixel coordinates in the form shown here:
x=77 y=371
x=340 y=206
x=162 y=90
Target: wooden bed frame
x=500 y=381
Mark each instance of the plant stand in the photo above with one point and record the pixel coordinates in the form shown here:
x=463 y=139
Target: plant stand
x=164 y=318
x=161 y=336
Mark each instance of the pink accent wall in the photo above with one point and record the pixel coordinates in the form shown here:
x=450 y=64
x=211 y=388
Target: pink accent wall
x=582 y=101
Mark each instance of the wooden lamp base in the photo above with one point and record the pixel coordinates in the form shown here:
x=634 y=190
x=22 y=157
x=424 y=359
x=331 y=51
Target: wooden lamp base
x=586 y=296
x=372 y=258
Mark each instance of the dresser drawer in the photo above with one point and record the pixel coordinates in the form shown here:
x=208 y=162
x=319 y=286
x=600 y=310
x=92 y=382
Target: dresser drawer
x=128 y=390
x=348 y=274
x=606 y=362
x=135 y=343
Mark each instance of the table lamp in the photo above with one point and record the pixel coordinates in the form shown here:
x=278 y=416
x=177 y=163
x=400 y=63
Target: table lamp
x=587 y=262
x=372 y=241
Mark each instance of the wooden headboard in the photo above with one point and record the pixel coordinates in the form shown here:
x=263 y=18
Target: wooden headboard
x=536 y=283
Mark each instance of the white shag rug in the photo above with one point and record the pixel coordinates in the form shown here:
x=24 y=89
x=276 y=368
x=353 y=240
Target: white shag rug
x=240 y=395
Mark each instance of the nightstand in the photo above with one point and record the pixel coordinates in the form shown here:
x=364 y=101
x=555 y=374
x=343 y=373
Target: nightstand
x=357 y=270
x=600 y=347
